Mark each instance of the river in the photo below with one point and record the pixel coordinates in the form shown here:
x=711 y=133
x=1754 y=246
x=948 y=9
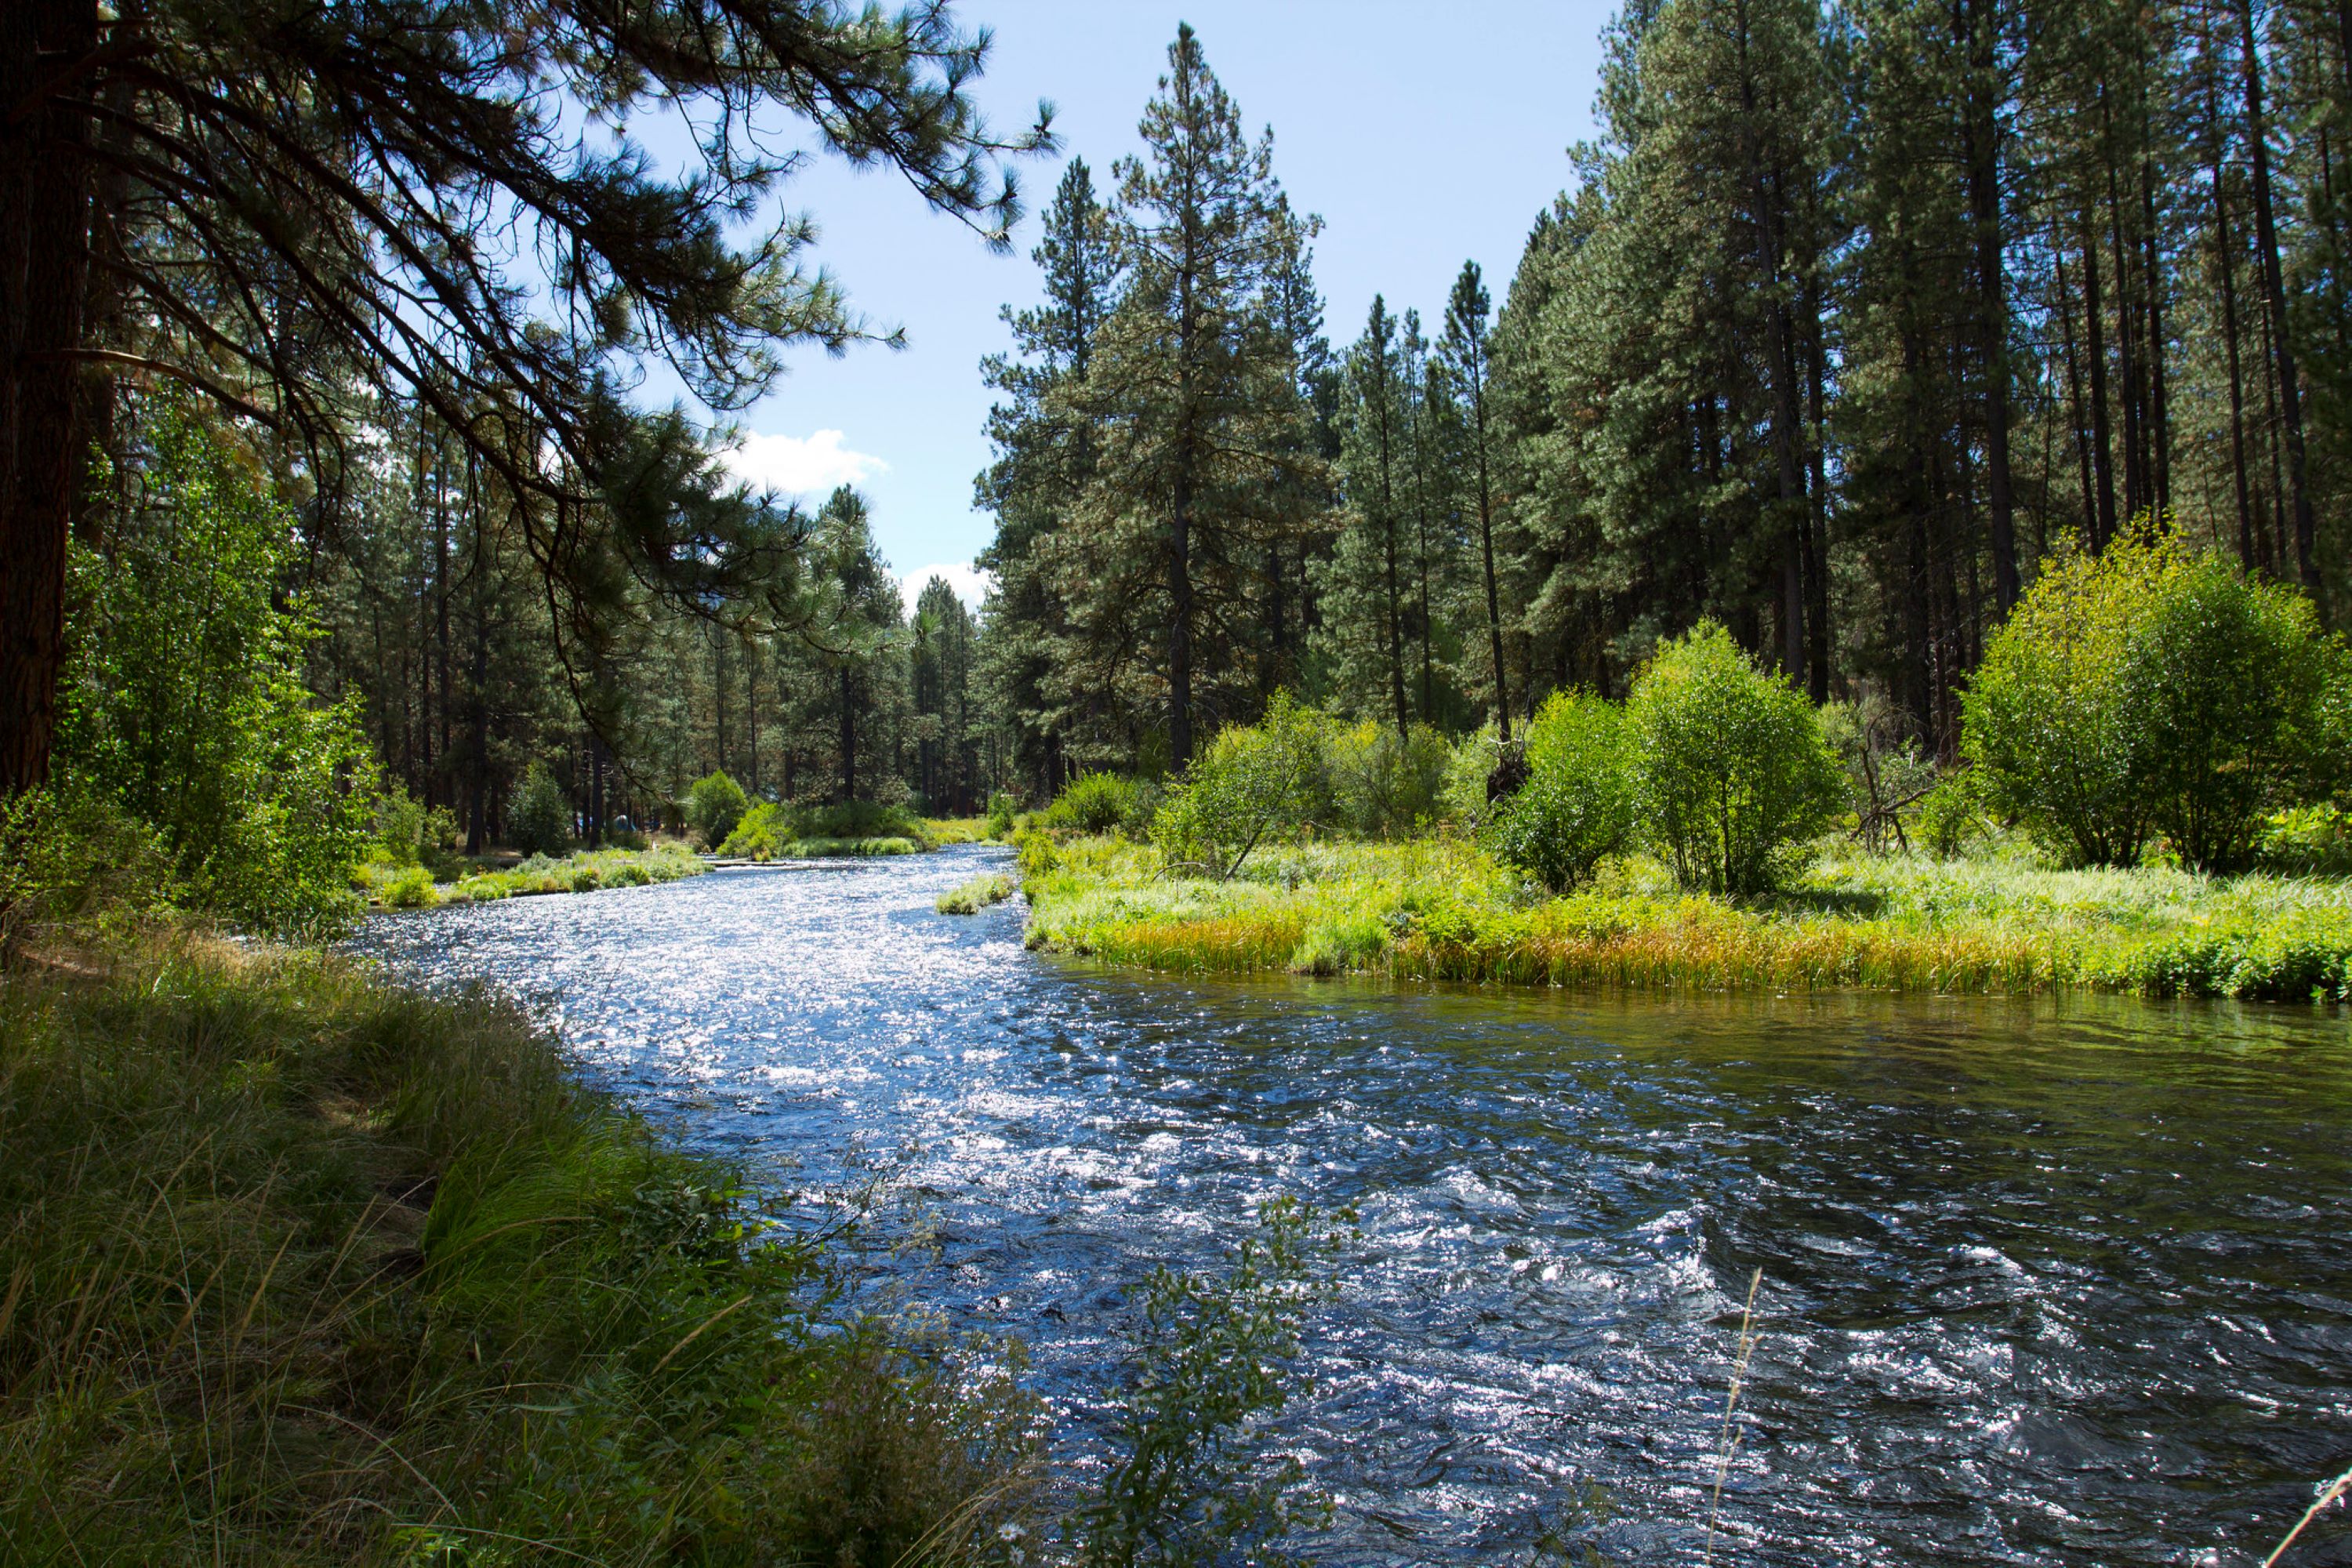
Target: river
x=2043 y=1282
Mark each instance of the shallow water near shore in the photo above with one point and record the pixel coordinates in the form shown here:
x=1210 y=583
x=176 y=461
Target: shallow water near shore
x=2044 y=1282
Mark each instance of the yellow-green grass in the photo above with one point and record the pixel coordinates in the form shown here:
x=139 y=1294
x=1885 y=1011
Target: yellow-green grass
x=971 y=898
x=841 y=849
x=1443 y=910
x=944 y=830
x=298 y=1267
x=413 y=887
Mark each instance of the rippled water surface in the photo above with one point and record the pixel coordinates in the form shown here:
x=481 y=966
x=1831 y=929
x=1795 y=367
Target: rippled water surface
x=2042 y=1283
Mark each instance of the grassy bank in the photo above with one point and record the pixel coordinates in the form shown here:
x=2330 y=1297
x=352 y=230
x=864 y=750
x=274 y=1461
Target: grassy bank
x=1444 y=909
x=300 y=1269
x=414 y=887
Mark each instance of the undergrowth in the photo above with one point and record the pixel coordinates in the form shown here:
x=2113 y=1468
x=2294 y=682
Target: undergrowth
x=971 y=898
x=299 y=1267
x=1443 y=910
x=414 y=888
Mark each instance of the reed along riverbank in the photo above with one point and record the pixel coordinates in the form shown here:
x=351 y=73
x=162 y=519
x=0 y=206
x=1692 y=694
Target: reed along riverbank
x=302 y=1266
x=1441 y=909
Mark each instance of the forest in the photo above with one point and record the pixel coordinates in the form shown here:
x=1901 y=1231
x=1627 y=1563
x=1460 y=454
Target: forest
x=1819 y=703
x=1851 y=321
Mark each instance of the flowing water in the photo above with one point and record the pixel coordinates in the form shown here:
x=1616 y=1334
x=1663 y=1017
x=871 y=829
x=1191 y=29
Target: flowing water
x=2046 y=1283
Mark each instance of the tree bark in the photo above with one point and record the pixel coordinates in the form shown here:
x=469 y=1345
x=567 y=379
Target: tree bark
x=2274 y=288
x=2103 y=526
x=1982 y=147
x=44 y=266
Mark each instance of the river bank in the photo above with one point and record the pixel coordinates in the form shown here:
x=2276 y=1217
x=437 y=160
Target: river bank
x=1444 y=909
x=303 y=1267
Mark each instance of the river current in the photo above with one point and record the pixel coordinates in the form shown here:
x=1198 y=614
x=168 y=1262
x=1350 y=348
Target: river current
x=2042 y=1282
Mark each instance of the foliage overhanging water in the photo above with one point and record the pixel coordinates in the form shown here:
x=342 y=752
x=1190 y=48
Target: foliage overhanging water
x=2043 y=1282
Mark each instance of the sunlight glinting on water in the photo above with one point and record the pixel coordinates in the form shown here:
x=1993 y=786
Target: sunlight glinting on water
x=2041 y=1284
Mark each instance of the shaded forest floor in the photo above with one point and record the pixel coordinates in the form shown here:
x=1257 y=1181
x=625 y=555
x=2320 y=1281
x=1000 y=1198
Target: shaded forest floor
x=296 y=1267
x=1444 y=909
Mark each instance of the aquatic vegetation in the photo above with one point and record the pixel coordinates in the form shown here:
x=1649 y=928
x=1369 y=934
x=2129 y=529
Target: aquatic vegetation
x=305 y=1268
x=971 y=898
x=1444 y=909
x=774 y=832
x=413 y=887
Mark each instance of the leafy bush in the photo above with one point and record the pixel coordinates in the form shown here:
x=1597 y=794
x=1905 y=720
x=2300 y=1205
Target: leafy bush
x=1578 y=805
x=1384 y=784
x=410 y=888
x=539 y=818
x=1950 y=816
x=1467 y=775
x=1193 y=1479
x=414 y=834
x=1092 y=803
x=2227 y=687
x=861 y=819
x=2148 y=690
x=765 y=832
x=1001 y=807
x=1885 y=773
x=714 y=805
x=2308 y=841
x=73 y=863
x=185 y=702
x=1735 y=775
x=1254 y=784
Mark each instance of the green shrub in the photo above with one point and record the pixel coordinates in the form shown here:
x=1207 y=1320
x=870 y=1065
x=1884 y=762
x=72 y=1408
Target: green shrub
x=714 y=805
x=539 y=818
x=766 y=832
x=1736 y=775
x=414 y=834
x=411 y=887
x=2226 y=686
x=185 y=700
x=1092 y=803
x=1886 y=775
x=1001 y=807
x=1254 y=784
x=2150 y=690
x=1467 y=775
x=1950 y=816
x=1384 y=784
x=861 y=819
x=1577 y=805
x=2308 y=841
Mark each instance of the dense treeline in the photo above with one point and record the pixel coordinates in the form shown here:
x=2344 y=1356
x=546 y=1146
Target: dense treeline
x=319 y=329
x=1854 y=320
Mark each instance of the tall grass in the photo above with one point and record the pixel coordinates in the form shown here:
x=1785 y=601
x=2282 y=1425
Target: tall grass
x=296 y=1268
x=1442 y=909
x=413 y=887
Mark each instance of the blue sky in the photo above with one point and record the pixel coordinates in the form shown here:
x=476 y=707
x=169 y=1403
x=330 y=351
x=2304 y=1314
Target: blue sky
x=1423 y=135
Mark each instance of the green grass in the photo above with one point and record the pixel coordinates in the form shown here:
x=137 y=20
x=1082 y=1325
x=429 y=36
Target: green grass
x=1443 y=910
x=301 y=1269
x=971 y=898
x=413 y=887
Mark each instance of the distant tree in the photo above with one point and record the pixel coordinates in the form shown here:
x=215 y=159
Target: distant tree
x=1465 y=348
x=1193 y=388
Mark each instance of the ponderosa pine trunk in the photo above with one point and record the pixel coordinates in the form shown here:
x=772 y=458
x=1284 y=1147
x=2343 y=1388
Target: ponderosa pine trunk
x=2290 y=397
x=44 y=266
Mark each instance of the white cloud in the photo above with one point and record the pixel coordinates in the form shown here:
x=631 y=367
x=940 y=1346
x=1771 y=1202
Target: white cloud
x=971 y=584
x=798 y=466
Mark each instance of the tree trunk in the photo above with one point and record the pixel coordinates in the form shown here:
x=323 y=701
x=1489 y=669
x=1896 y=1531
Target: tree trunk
x=2274 y=288
x=44 y=264
x=848 y=737
x=1981 y=136
x=1486 y=551
x=2225 y=253
x=2103 y=526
